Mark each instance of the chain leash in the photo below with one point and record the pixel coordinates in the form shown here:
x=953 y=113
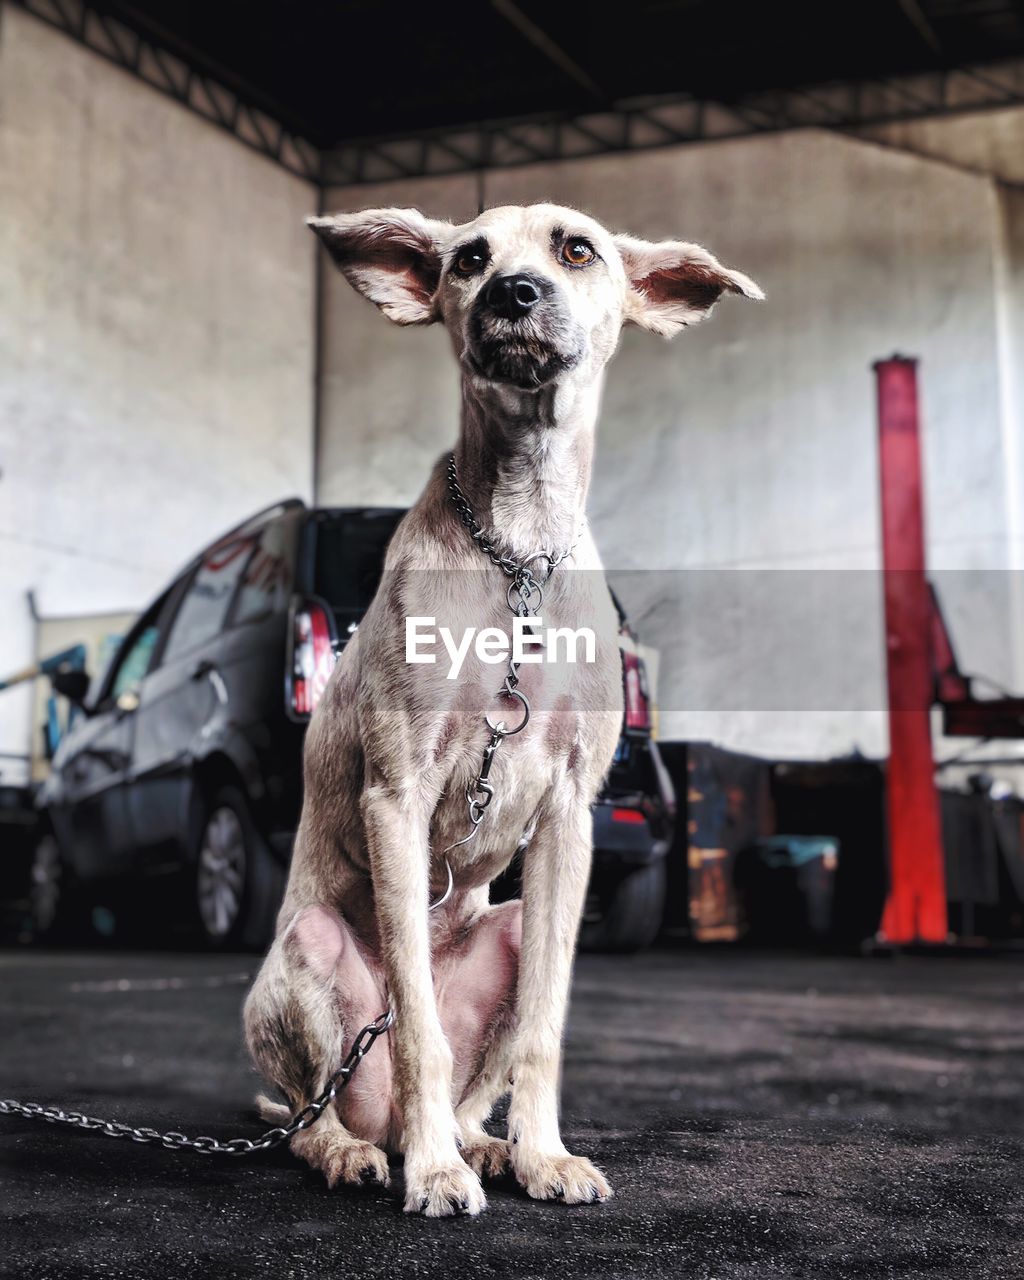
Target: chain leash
x=204 y=1144
x=524 y=596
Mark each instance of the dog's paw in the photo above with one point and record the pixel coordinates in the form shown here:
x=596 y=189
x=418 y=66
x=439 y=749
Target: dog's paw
x=570 y=1179
x=488 y=1157
x=439 y=1193
x=355 y=1162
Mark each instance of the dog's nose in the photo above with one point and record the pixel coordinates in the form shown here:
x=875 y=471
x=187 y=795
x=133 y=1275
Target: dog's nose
x=512 y=296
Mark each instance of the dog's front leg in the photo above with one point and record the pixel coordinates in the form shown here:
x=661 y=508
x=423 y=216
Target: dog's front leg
x=555 y=873
x=437 y=1180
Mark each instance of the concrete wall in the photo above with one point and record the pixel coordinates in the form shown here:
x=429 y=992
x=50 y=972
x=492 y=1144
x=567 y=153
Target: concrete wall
x=1010 y=300
x=988 y=142
x=747 y=447
x=156 y=337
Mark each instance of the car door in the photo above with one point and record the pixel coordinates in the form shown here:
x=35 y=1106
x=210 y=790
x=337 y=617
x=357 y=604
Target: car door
x=180 y=701
x=95 y=763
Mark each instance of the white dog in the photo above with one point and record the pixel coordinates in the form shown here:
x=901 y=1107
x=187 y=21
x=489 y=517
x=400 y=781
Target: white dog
x=534 y=299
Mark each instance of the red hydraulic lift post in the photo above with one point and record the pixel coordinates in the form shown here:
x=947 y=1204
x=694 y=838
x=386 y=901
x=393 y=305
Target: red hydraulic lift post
x=915 y=910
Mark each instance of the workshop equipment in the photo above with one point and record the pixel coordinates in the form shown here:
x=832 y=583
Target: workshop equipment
x=67 y=675
x=922 y=671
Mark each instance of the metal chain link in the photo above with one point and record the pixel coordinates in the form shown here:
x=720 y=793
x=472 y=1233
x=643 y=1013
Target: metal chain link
x=524 y=596
x=204 y=1144
x=507 y=564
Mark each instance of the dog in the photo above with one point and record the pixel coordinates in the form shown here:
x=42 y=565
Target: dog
x=533 y=299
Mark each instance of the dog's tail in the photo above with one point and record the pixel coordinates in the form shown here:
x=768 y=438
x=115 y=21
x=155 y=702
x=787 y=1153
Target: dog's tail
x=272 y=1112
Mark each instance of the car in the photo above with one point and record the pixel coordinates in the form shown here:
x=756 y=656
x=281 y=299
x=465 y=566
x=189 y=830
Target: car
x=633 y=823
x=18 y=826
x=182 y=773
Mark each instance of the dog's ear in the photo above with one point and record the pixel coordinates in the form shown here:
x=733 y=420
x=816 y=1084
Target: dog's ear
x=390 y=256
x=673 y=284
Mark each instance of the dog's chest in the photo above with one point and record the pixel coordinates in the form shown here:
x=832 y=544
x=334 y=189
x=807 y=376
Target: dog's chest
x=522 y=774
x=562 y=724
x=566 y=743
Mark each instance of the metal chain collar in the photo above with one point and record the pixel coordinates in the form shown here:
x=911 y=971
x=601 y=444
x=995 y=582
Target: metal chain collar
x=524 y=596
x=204 y=1144
x=506 y=563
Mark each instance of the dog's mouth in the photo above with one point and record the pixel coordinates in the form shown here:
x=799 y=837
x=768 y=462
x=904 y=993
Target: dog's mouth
x=524 y=365
x=518 y=353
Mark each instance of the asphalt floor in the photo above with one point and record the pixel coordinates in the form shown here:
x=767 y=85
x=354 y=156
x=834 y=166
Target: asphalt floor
x=760 y=1116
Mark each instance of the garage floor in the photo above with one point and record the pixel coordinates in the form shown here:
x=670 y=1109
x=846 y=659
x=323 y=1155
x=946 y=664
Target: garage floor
x=760 y=1116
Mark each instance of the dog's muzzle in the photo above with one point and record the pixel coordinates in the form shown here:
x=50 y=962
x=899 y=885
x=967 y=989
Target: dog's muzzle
x=519 y=333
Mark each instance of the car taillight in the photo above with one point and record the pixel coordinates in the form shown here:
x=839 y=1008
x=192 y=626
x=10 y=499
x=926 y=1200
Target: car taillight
x=312 y=657
x=628 y=815
x=638 y=711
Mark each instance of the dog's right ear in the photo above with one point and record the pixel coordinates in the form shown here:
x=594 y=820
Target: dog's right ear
x=390 y=256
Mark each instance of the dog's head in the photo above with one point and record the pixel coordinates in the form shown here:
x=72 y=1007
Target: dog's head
x=530 y=294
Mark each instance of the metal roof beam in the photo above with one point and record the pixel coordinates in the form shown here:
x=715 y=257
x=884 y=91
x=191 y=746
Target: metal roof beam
x=671 y=121
x=169 y=75
x=640 y=125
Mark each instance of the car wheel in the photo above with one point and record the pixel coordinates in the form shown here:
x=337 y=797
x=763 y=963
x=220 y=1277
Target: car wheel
x=632 y=908
x=57 y=907
x=238 y=883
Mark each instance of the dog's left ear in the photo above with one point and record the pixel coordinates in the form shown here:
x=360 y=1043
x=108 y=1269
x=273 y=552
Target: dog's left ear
x=673 y=284
x=389 y=256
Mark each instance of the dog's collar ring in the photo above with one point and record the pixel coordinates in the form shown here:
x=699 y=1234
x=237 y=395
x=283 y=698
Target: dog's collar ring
x=531 y=597
x=500 y=728
x=553 y=558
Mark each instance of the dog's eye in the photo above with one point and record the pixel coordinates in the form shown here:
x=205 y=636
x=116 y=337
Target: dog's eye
x=578 y=253
x=470 y=261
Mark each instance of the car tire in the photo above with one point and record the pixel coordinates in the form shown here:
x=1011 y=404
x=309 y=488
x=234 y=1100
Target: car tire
x=237 y=883
x=59 y=910
x=632 y=909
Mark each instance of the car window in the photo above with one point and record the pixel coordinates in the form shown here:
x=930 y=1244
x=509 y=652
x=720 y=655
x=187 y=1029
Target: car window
x=133 y=666
x=267 y=581
x=205 y=604
x=350 y=548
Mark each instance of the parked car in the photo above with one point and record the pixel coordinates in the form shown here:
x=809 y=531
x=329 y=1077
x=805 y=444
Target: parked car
x=18 y=826
x=184 y=773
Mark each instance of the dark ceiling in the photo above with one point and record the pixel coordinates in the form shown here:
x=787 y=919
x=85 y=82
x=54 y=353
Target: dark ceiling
x=336 y=70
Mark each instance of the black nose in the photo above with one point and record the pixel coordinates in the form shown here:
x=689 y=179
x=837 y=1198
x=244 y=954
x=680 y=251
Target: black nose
x=512 y=296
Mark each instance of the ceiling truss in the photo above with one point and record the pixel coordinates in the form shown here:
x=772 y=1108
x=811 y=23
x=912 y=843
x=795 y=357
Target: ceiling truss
x=631 y=126
x=170 y=75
